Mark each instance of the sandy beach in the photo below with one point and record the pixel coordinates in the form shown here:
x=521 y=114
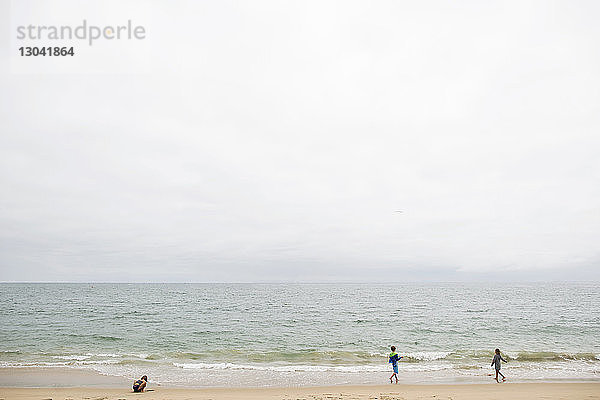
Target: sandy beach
x=382 y=392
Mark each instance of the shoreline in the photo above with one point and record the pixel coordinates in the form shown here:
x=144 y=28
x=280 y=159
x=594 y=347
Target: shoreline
x=517 y=391
x=69 y=378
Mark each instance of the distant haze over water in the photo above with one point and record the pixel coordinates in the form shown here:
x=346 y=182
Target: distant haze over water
x=303 y=334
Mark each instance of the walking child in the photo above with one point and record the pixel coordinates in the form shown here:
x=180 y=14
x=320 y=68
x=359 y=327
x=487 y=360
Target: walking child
x=496 y=364
x=394 y=357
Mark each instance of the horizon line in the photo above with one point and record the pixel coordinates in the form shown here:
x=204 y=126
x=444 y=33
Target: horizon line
x=299 y=282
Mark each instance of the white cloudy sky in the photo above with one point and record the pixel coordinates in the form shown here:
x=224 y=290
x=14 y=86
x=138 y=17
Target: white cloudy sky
x=274 y=141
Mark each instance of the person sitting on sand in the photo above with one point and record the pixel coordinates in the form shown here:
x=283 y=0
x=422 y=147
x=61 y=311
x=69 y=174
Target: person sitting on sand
x=394 y=357
x=496 y=364
x=140 y=384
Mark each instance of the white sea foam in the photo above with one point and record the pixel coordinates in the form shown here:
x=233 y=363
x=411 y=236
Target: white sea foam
x=417 y=355
x=44 y=364
x=33 y=365
x=87 y=362
x=73 y=357
x=105 y=355
x=311 y=368
x=282 y=368
x=427 y=355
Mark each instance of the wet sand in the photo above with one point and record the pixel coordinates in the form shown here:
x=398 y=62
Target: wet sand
x=516 y=391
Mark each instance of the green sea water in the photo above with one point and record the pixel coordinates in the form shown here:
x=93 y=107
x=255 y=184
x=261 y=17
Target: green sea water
x=303 y=334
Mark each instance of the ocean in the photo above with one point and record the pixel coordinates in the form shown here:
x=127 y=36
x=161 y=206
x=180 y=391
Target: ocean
x=201 y=335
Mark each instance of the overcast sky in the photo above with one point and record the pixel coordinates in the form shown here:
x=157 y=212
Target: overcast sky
x=275 y=141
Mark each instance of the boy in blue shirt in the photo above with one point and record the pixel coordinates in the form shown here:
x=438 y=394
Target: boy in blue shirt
x=394 y=357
